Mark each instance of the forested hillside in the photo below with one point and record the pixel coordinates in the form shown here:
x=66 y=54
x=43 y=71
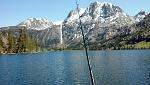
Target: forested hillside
x=140 y=39
x=10 y=42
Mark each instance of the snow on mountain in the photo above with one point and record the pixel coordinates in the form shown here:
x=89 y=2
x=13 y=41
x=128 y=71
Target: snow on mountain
x=58 y=22
x=73 y=15
x=140 y=16
x=103 y=12
x=36 y=23
x=98 y=9
x=101 y=20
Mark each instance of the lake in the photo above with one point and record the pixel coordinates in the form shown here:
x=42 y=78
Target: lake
x=118 y=67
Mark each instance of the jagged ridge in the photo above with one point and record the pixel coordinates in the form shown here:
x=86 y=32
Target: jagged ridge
x=101 y=21
x=37 y=23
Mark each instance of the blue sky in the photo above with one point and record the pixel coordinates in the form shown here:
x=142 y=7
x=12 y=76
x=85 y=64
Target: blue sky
x=13 y=12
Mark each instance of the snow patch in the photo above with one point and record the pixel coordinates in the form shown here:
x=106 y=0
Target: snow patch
x=58 y=22
x=75 y=15
x=37 y=23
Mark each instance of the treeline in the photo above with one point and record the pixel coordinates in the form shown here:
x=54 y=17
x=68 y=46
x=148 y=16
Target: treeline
x=22 y=43
x=137 y=40
x=140 y=39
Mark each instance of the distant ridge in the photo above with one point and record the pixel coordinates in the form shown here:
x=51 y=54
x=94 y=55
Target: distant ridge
x=101 y=21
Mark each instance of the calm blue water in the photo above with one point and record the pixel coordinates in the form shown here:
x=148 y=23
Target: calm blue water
x=70 y=68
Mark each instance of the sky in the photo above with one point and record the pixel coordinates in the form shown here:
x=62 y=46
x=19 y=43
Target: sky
x=12 y=12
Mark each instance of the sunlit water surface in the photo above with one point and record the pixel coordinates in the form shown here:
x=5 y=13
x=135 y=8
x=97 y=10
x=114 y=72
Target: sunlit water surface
x=128 y=67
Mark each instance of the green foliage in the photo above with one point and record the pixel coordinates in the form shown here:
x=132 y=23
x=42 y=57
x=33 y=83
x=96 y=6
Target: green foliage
x=21 y=44
x=1 y=40
x=143 y=45
x=1 y=43
x=22 y=41
x=31 y=44
x=11 y=42
x=25 y=43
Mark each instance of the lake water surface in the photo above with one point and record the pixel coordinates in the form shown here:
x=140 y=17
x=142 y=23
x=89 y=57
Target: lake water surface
x=128 y=67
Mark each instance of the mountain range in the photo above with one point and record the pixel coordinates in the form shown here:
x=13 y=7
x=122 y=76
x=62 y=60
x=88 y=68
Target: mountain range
x=101 y=22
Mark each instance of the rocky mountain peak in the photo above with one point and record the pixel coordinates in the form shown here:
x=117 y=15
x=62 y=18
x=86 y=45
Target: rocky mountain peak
x=102 y=9
x=138 y=17
x=142 y=13
x=100 y=20
x=73 y=15
x=97 y=11
x=36 y=23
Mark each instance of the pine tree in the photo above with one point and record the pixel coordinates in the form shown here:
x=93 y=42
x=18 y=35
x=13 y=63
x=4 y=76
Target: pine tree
x=25 y=39
x=31 y=44
x=25 y=43
x=22 y=43
x=1 y=43
x=10 y=42
x=14 y=47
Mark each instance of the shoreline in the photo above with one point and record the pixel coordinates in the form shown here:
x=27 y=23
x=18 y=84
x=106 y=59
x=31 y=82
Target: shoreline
x=65 y=50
